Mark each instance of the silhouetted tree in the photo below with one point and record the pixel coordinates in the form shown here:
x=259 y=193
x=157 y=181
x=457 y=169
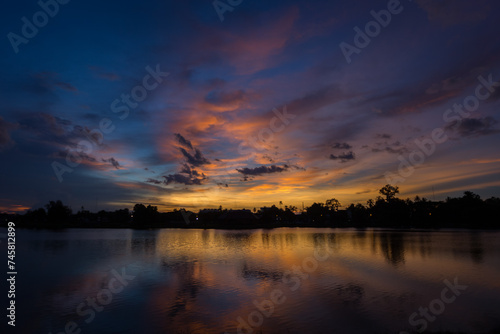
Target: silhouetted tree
x=389 y=192
x=318 y=213
x=333 y=204
x=146 y=215
x=58 y=213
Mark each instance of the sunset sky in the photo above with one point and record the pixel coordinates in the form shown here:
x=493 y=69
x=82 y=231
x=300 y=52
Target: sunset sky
x=260 y=103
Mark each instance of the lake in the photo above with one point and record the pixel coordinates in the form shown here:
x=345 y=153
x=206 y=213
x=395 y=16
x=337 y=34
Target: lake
x=287 y=280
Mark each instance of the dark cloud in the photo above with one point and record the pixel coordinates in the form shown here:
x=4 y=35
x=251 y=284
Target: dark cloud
x=52 y=131
x=197 y=159
x=225 y=98
x=186 y=169
x=383 y=136
x=76 y=156
x=474 y=127
x=112 y=161
x=319 y=98
x=51 y=81
x=104 y=74
x=344 y=157
x=183 y=179
x=393 y=148
x=268 y=158
x=341 y=146
x=187 y=176
x=194 y=160
x=66 y=86
x=390 y=149
x=183 y=141
x=495 y=95
x=437 y=88
x=92 y=117
x=5 y=130
x=45 y=125
x=263 y=170
x=153 y=181
x=452 y=12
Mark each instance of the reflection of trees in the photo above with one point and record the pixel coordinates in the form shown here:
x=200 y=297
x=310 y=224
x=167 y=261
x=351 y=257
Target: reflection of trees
x=350 y=294
x=248 y=272
x=55 y=246
x=358 y=239
x=238 y=239
x=473 y=248
x=206 y=236
x=291 y=239
x=143 y=242
x=392 y=246
x=476 y=248
x=265 y=240
x=425 y=243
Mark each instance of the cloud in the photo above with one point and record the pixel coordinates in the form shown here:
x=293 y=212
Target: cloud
x=104 y=74
x=153 y=181
x=226 y=99
x=181 y=179
x=5 y=129
x=195 y=160
x=186 y=169
x=452 y=12
x=474 y=127
x=66 y=86
x=187 y=176
x=183 y=141
x=263 y=170
x=385 y=146
x=341 y=146
x=319 y=98
x=79 y=156
x=112 y=161
x=50 y=81
x=344 y=157
x=383 y=136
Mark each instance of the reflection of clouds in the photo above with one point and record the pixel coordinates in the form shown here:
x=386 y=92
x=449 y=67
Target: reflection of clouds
x=248 y=272
x=201 y=281
x=350 y=294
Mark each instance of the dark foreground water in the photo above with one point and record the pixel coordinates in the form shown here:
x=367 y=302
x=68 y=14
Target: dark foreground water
x=261 y=281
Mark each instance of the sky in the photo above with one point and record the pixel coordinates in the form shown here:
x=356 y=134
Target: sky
x=244 y=104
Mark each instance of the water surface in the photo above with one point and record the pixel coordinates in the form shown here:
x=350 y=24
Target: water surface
x=262 y=281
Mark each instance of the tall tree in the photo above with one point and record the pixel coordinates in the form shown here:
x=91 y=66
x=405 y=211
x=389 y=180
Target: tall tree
x=389 y=192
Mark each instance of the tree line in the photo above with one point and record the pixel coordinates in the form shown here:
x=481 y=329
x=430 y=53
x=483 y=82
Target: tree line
x=387 y=210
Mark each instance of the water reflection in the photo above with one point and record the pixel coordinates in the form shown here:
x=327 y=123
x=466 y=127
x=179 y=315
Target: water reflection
x=392 y=246
x=211 y=281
